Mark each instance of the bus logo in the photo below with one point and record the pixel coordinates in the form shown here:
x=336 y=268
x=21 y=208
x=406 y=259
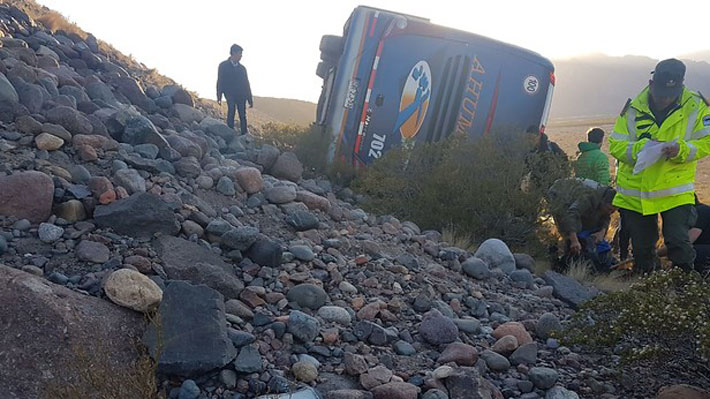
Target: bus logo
x=415 y=100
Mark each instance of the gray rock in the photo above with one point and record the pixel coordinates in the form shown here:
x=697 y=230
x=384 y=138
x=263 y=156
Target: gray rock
x=302 y=252
x=79 y=174
x=526 y=354
x=7 y=90
x=438 y=329
x=346 y=394
x=3 y=245
x=70 y=119
x=140 y=215
x=404 y=348
x=189 y=390
x=560 y=393
x=228 y=378
x=469 y=326
x=495 y=361
x=240 y=338
x=280 y=194
x=476 y=268
x=265 y=252
x=335 y=314
x=524 y=261
x=218 y=227
x=435 y=394
x=199 y=310
x=92 y=251
x=522 y=276
x=188 y=167
x=546 y=324
x=240 y=238
x=302 y=326
x=267 y=156
x=307 y=296
x=148 y=150
x=467 y=383
x=131 y=180
x=568 y=289
x=496 y=254
x=288 y=167
x=49 y=233
x=225 y=186
x=186 y=260
x=249 y=360
x=543 y=377
x=302 y=220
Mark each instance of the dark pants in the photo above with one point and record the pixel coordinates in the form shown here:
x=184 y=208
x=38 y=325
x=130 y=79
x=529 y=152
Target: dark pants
x=702 y=257
x=241 y=107
x=644 y=237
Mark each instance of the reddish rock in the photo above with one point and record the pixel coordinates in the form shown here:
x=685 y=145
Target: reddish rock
x=683 y=391
x=26 y=195
x=515 y=329
x=375 y=376
x=370 y=311
x=77 y=332
x=95 y=141
x=249 y=179
x=251 y=298
x=396 y=390
x=141 y=263
x=313 y=201
x=102 y=188
x=87 y=153
x=459 y=353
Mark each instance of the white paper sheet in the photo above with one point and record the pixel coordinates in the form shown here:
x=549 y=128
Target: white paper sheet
x=651 y=153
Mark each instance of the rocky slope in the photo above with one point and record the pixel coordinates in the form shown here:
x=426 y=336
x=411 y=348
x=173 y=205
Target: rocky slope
x=118 y=197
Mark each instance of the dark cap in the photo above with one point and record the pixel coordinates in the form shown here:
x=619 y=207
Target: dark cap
x=668 y=78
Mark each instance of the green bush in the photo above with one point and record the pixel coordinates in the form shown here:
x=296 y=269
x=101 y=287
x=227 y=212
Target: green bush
x=493 y=186
x=664 y=318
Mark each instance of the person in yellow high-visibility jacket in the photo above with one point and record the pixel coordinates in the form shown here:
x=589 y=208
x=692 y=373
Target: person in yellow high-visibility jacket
x=665 y=111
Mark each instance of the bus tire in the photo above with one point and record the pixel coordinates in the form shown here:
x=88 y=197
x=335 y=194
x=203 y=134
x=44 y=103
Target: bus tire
x=331 y=44
x=322 y=69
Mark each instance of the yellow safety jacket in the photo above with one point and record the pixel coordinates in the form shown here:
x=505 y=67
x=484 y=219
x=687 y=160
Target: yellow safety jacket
x=669 y=182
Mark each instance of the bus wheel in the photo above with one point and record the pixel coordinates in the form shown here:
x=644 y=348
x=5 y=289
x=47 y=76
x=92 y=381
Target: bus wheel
x=322 y=69
x=331 y=44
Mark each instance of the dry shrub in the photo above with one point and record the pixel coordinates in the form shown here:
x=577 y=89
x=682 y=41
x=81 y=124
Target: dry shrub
x=95 y=374
x=661 y=323
x=613 y=281
x=492 y=186
x=55 y=21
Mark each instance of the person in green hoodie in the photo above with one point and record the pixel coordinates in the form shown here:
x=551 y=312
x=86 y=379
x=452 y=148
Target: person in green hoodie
x=592 y=163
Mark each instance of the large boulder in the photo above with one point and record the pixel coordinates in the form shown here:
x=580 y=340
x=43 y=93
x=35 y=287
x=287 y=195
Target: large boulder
x=497 y=255
x=70 y=119
x=568 y=289
x=130 y=88
x=683 y=391
x=26 y=195
x=187 y=113
x=193 y=337
x=140 y=215
x=186 y=260
x=249 y=179
x=288 y=167
x=52 y=335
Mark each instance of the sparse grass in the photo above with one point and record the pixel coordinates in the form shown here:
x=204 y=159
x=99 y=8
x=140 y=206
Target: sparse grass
x=614 y=281
x=55 y=21
x=457 y=239
x=96 y=375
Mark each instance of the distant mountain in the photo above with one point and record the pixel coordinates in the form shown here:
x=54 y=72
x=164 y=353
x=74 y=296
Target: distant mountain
x=698 y=56
x=285 y=110
x=598 y=85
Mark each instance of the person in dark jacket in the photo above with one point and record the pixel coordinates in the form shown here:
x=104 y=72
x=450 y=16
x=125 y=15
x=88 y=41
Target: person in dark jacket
x=582 y=209
x=592 y=163
x=233 y=82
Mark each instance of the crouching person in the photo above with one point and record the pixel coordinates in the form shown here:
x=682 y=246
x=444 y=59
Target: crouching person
x=582 y=211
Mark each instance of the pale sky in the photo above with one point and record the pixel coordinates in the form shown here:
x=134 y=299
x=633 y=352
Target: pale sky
x=186 y=40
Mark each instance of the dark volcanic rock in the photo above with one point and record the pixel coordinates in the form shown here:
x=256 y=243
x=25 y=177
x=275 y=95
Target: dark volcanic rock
x=198 y=310
x=568 y=289
x=140 y=215
x=185 y=260
x=265 y=252
x=438 y=329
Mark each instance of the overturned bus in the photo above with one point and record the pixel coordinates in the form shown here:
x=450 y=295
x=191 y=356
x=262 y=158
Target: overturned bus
x=394 y=79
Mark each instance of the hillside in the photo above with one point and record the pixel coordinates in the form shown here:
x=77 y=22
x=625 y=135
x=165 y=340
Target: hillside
x=598 y=85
